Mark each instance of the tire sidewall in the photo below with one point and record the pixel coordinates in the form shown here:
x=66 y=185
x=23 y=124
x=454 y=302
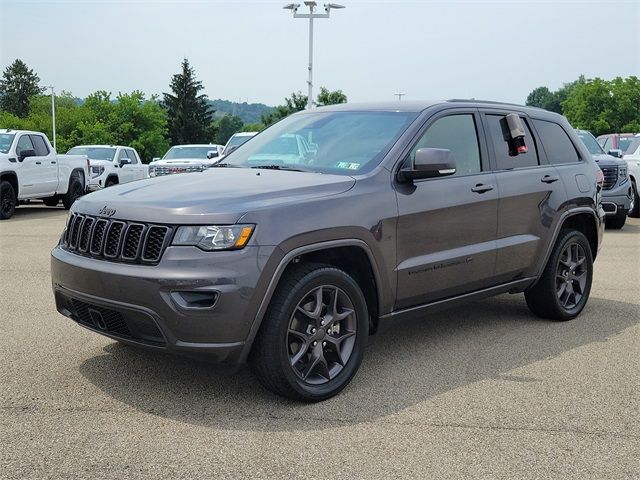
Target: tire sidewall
x=7 y=189
x=573 y=237
x=312 y=280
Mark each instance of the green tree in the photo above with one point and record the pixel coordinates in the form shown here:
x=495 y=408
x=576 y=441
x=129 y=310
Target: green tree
x=18 y=84
x=252 y=127
x=540 y=97
x=227 y=126
x=326 y=97
x=605 y=106
x=296 y=103
x=189 y=115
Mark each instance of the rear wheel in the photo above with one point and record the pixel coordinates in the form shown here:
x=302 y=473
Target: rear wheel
x=74 y=192
x=635 y=207
x=617 y=221
x=563 y=289
x=8 y=200
x=312 y=339
x=51 y=201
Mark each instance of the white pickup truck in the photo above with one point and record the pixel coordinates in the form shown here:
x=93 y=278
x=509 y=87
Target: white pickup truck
x=632 y=156
x=111 y=165
x=31 y=169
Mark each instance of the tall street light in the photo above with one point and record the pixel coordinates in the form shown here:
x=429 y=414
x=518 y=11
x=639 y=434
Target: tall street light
x=311 y=16
x=53 y=114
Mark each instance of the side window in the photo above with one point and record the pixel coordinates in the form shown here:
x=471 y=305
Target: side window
x=458 y=134
x=24 y=144
x=500 y=136
x=557 y=144
x=132 y=156
x=607 y=144
x=40 y=145
x=122 y=155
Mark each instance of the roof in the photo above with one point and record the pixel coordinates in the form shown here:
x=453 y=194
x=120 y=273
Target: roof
x=102 y=146
x=11 y=130
x=244 y=134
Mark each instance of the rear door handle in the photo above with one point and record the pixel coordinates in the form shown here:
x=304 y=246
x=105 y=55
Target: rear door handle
x=549 y=179
x=38 y=163
x=481 y=188
x=53 y=162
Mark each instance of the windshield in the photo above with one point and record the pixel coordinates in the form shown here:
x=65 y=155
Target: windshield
x=6 y=139
x=188 y=152
x=94 y=153
x=237 y=140
x=591 y=143
x=343 y=142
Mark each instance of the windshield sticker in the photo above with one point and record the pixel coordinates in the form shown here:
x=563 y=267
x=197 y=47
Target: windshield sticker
x=348 y=165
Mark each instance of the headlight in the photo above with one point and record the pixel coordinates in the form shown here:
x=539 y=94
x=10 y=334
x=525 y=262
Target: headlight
x=152 y=171
x=622 y=174
x=214 y=237
x=96 y=171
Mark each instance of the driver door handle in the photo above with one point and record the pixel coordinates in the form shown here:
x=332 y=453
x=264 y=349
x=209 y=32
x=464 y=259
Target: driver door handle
x=38 y=163
x=549 y=179
x=481 y=188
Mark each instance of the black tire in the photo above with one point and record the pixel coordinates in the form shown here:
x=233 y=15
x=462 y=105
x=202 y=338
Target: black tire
x=8 y=200
x=75 y=191
x=547 y=298
x=617 y=221
x=635 y=211
x=274 y=351
x=110 y=183
x=51 y=201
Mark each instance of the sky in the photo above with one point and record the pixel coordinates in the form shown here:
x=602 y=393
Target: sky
x=255 y=51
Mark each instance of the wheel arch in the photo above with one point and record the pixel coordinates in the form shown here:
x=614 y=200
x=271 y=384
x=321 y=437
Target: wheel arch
x=12 y=178
x=351 y=255
x=114 y=177
x=80 y=173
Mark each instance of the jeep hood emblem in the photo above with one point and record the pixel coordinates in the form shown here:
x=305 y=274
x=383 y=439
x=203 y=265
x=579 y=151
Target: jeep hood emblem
x=107 y=212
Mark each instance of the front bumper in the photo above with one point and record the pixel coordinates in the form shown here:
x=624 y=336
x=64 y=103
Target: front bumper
x=144 y=305
x=620 y=200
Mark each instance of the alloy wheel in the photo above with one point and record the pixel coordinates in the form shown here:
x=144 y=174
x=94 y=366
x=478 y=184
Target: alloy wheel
x=571 y=276
x=321 y=334
x=7 y=202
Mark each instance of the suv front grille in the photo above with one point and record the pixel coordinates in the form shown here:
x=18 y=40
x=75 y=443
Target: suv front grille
x=115 y=240
x=610 y=177
x=173 y=170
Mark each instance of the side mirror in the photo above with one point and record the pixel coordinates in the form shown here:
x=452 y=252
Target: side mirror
x=26 y=153
x=212 y=154
x=429 y=163
x=125 y=161
x=155 y=159
x=615 y=152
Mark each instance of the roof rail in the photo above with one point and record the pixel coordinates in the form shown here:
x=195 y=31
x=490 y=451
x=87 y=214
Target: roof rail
x=471 y=100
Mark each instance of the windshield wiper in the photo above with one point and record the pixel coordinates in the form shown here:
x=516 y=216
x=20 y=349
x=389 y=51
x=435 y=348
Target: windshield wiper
x=230 y=165
x=280 y=167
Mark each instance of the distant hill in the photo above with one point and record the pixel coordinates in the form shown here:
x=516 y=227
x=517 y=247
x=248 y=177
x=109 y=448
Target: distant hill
x=248 y=112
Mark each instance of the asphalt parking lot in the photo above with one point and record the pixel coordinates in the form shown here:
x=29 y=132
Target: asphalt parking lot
x=482 y=391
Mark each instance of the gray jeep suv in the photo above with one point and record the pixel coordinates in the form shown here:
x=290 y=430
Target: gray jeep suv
x=290 y=262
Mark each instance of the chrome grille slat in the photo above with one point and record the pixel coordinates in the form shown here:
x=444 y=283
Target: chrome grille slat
x=610 y=177
x=115 y=240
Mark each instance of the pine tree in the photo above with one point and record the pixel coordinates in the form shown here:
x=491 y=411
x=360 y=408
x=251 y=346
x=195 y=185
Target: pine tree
x=189 y=115
x=17 y=85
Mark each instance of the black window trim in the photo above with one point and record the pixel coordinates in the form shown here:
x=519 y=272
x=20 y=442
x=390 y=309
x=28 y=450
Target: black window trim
x=430 y=120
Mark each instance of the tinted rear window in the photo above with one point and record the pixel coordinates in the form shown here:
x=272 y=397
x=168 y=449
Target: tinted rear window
x=39 y=145
x=557 y=144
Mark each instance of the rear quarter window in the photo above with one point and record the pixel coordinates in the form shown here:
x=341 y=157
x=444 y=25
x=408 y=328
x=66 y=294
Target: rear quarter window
x=557 y=144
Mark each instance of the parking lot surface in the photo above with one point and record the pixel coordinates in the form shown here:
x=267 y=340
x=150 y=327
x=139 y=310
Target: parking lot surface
x=482 y=391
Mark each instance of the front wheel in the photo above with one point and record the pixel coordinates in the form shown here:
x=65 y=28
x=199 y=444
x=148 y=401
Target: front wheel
x=8 y=200
x=76 y=189
x=635 y=202
x=51 y=201
x=617 y=221
x=312 y=339
x=563 y=289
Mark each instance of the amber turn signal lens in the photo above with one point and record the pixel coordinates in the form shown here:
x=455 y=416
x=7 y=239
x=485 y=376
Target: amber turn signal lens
x=244 y=237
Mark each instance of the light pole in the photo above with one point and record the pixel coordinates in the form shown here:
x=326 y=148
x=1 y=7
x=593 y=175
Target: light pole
x=399 y=95
x=311 y=16
x=53 y=114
